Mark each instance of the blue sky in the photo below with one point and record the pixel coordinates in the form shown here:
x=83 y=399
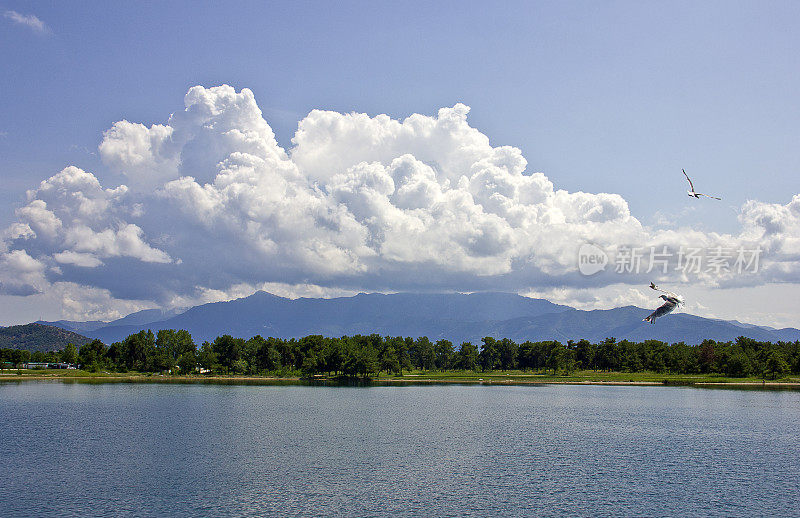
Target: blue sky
x=611 y=97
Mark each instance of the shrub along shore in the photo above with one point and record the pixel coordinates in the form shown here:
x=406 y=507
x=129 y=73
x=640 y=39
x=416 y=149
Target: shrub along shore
x=173 y=355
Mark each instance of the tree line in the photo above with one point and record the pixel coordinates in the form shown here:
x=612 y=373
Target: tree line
x=369 y=355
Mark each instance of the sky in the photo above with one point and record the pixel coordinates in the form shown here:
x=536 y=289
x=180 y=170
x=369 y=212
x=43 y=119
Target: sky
x=175 y=153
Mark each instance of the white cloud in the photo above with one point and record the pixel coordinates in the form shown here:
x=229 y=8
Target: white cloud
x=202 y=295
x=77 y=258
x=216 y=123
x=213 y=206
x=606 y=297
x=71 y=217
x=21 y=274
x=144 y=155
x=87 y=303
x=41 y=219
x=16 y=231
x=126 y=241
x=28 y=20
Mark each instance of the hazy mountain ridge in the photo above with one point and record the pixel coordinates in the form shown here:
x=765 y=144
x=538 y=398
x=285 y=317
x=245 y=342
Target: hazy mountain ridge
x=74 y=326
x=396 y=314
x=626 y=323
x=456 y=317
x=145 y=316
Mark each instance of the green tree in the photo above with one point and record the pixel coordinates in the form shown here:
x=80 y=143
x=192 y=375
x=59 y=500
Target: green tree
x=360 y=360
x=175 y=342
x=239 y=366
x=187 y=363
x=367 y=361
x=400 y=347
x=681 y=359
x=267 y=357
x=289 y=352
x=793 y=353
x=228 y=350
x=467 y=357
x=489 y=356
x=424 y=353
x=69 y=354
x=508 y=352
x=655 y=355
x=389 y=360
x=775 y=365
x=333 y=355
x=92 y=356
x=737 y=363
x=608 y=355
x=137 y=351
x=556 y=357
x=207 y=358
x=19 y=356
x=533 y=355
x=405 y=353
x=629 y=357
x=584 y=354
x=443 y=354
x=707 y=356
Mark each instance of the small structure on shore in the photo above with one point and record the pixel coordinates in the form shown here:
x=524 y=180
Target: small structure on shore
x=49 y=365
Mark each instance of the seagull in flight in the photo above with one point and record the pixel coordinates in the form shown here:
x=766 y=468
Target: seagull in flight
x=671 y=302
x=694 y=194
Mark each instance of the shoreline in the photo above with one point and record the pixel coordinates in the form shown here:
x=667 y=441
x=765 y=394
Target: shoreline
x=412 y=379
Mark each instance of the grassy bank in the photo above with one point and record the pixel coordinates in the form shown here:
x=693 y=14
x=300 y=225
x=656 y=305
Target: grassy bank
x=587 y=376
x=495 y=377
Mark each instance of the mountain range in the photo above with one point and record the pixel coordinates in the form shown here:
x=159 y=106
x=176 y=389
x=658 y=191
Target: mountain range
x=454 y=316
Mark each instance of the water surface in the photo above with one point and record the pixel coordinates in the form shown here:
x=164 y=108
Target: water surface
x=440 y=450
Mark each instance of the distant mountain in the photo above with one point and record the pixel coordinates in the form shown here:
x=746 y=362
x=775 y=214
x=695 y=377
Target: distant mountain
x=397 y=314
x=38 y=337
x=143 y=317
x=77 y=327
x=788 y=334
x=626 y=323
x=456 y=317
x=146 y=316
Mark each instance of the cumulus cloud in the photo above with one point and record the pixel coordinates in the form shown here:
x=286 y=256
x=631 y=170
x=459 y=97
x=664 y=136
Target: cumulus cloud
x=28 y=20
x=21 y=274
x=74 y=218
x=77 y=258
x=144 y=155
x=78 y=302
x=212 y=207
x=215 y=124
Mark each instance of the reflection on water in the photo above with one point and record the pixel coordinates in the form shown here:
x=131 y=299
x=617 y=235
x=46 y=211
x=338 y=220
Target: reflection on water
x=293 y=450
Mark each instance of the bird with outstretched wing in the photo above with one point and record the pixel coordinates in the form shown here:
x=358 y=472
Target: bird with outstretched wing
x=672 y=301
x=694 y=194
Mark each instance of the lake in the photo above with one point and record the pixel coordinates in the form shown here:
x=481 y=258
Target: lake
x=77 y=449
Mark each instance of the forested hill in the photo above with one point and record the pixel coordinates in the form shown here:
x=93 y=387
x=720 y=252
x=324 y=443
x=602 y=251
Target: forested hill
x=38 y=337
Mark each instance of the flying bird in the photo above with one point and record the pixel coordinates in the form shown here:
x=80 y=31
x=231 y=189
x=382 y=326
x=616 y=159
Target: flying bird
x=671 y=302
x=694 y=194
